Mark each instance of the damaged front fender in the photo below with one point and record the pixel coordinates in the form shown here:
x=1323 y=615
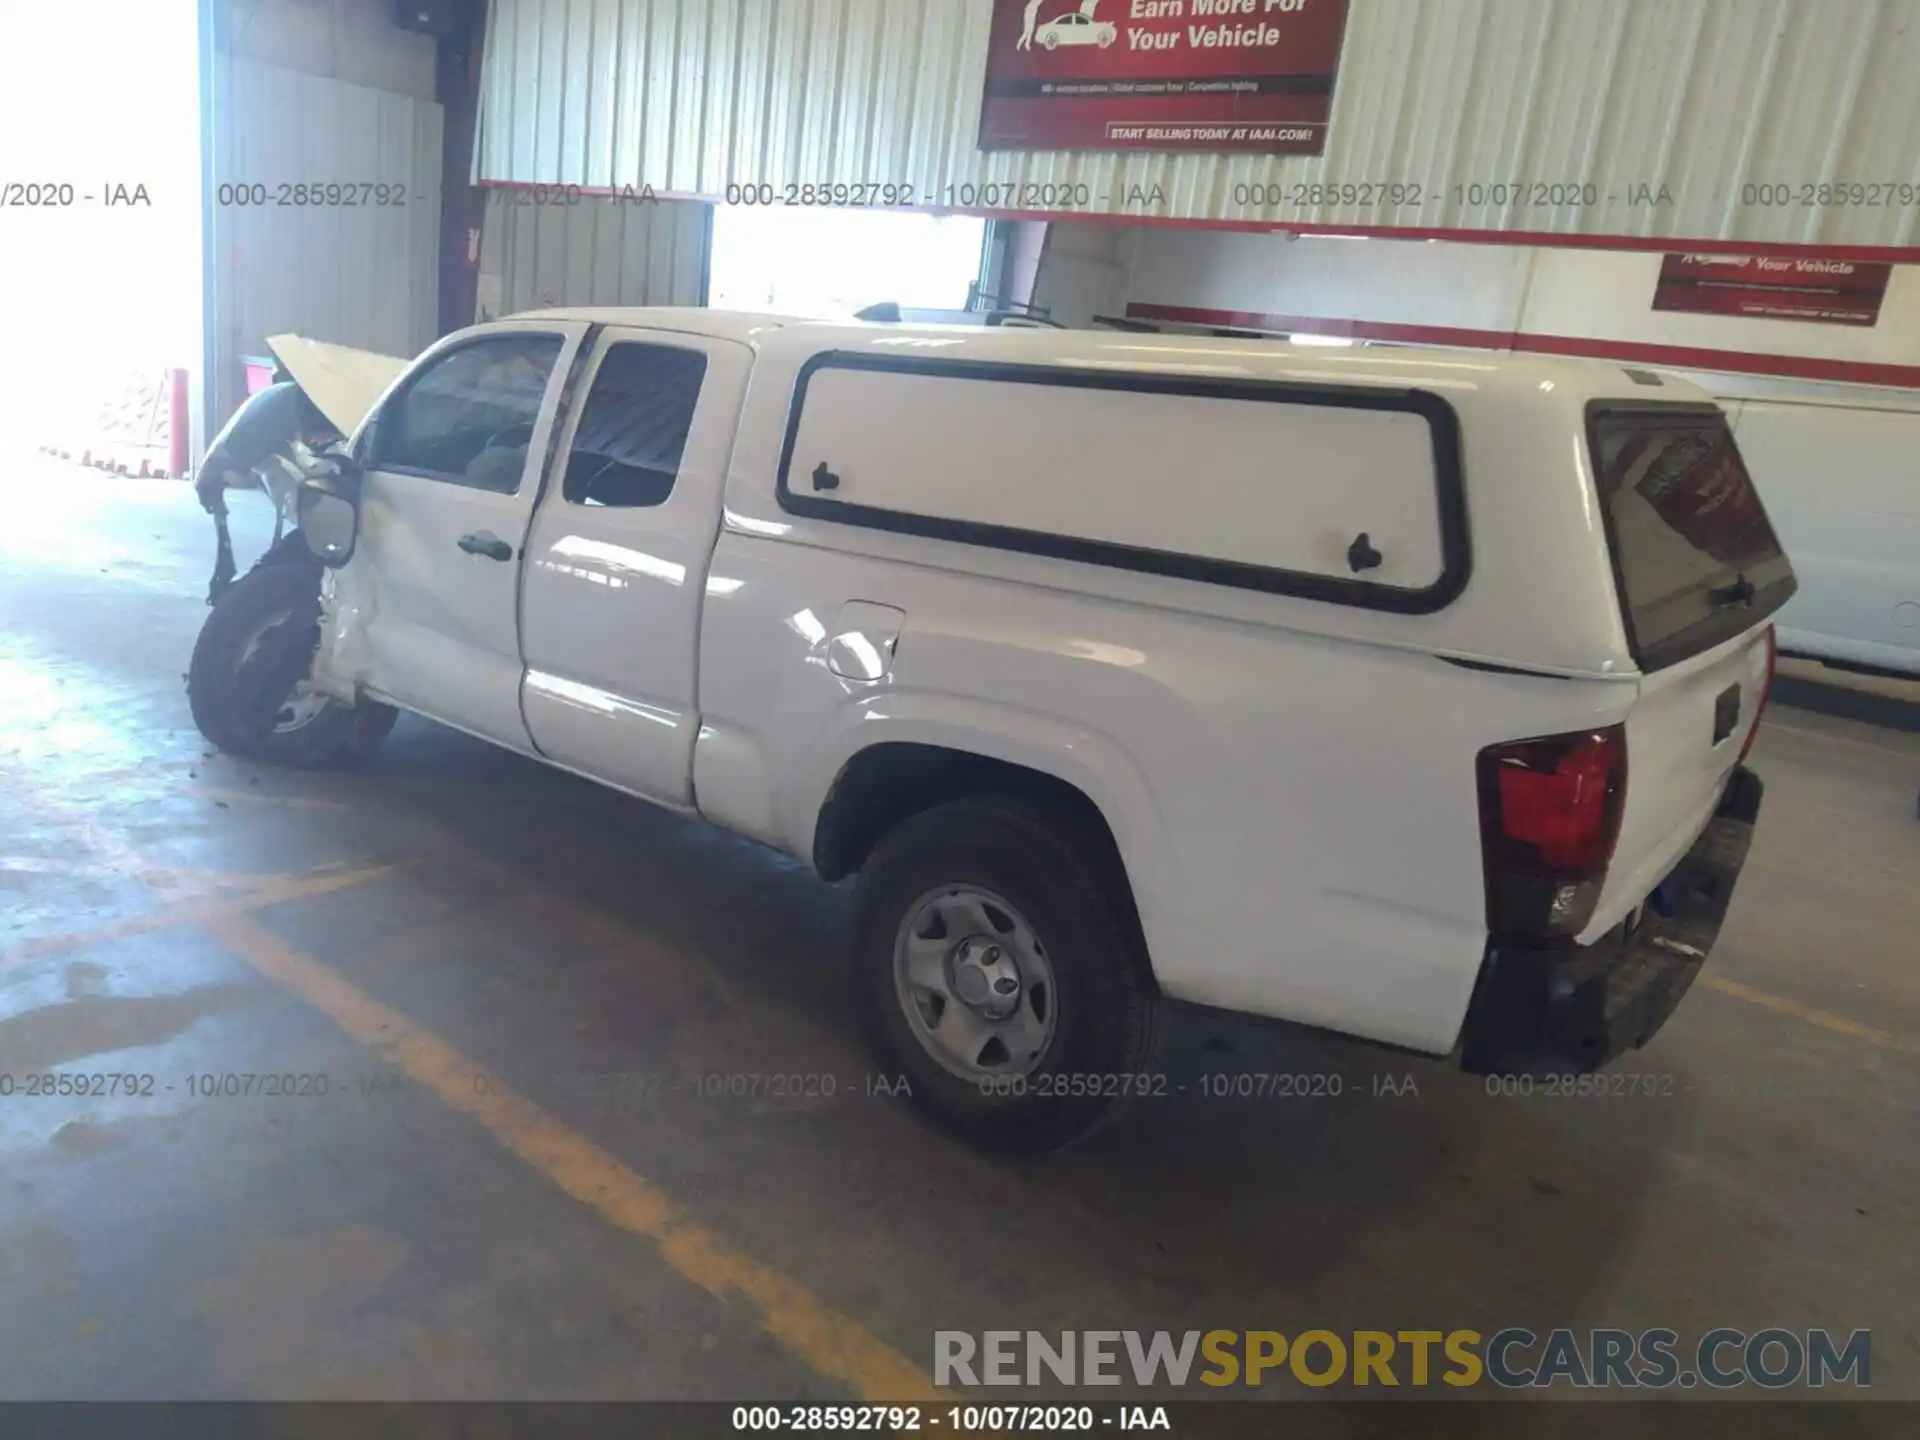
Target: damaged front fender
x=344 y=659
x=271 y=438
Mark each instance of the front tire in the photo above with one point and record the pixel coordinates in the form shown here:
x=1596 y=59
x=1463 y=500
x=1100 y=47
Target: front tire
x=248 y=686
x=998 y=970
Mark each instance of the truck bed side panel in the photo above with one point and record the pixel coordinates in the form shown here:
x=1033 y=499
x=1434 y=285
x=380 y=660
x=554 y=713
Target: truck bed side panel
x=1298 y=815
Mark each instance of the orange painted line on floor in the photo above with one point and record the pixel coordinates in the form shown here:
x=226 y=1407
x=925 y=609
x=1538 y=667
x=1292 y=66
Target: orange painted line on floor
x=96 y=870
x=827 y=1341
x=169 y=773
x=1811 y=1014
x=258 y=797
x=267 y=890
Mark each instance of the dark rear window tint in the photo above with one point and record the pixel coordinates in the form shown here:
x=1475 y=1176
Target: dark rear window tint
x=627 y=447
x=1693 y=550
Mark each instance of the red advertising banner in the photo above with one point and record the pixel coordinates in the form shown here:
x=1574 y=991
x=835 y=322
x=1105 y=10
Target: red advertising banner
x=1833 y=292
x=1696 y=483
x=1209 y=75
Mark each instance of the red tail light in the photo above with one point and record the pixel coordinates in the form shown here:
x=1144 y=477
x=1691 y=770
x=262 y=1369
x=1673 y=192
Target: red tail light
x=1766 y=693
x=1563 y=811
x=1549 y=817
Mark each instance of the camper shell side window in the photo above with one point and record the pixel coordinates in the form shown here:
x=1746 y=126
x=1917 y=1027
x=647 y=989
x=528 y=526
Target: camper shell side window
x=1347 y=494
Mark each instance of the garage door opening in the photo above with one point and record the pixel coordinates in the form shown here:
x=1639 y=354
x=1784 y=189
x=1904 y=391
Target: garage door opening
x=831 y=263
x=100 y=157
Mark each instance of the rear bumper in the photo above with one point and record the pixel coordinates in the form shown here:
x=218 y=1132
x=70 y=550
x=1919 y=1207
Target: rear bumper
x=1546 y=1008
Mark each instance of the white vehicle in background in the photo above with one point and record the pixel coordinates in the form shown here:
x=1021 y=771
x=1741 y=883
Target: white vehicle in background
x=1076 y=30
x=1398 y=693
x=1842 y=484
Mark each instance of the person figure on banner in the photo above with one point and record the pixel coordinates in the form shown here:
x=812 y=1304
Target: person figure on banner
x=1087 y=7
x=1026 y=35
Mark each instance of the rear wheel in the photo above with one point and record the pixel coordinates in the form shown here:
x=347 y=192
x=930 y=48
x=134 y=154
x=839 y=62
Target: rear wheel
x=249 y=685
x=1001 y=975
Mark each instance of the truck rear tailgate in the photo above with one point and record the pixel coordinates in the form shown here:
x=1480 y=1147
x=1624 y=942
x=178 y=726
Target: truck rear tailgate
x=1699 y=575
x=1685 y=735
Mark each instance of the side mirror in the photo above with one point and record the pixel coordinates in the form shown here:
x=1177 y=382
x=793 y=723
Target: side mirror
x=329 y=520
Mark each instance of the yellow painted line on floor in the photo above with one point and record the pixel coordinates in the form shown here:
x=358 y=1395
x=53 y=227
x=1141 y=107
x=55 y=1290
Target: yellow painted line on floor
x=91 y=870
x=39 y=865
x=827 y=1341
x=147 y=770
x=180 y=884
x=258 y=797
x=169 y=774
x=1773 y=727
x=1811 y=1014
x=263 y=891
x=830 y=1343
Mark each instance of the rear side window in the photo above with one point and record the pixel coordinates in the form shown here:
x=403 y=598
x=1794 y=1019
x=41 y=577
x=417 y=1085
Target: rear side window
x=627 y=447
x=1693 y=550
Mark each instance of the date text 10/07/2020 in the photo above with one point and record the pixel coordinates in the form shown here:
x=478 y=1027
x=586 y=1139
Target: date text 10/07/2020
x=959 y=1419
x=642 y=1087
x=988 y=195
x=321 y=1086
x=1064 y=195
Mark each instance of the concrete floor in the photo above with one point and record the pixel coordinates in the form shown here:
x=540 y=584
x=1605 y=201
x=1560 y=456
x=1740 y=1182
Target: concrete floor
x=465 y=945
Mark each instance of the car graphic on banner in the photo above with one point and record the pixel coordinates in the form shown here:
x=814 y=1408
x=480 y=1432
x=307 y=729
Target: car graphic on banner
x=1076 y=30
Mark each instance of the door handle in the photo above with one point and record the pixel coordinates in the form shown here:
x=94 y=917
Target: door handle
x=488 y=544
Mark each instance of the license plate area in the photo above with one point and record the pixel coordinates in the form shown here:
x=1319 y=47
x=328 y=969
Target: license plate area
x=1726 y=713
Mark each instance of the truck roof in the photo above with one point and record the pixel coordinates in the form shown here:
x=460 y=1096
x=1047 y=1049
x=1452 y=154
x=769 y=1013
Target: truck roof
x=743 y=325
x=1199 y=355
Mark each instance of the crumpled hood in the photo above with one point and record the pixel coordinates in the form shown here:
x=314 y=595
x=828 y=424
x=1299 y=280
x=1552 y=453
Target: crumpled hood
x=345 y=383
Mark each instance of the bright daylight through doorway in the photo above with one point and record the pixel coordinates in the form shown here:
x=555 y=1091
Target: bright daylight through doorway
x=831 y=263
x=99 y=147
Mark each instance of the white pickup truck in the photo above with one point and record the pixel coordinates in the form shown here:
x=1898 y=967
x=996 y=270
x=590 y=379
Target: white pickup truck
x=1393 y=692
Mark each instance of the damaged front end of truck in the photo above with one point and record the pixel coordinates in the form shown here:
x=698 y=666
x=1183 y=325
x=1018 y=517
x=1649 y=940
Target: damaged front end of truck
x=251 y=684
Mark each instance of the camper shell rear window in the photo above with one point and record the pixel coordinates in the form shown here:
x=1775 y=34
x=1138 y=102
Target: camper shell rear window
x=1695 y=559
x=1349 y=494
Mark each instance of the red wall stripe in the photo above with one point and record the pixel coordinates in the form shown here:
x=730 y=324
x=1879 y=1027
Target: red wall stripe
x=1672 y=357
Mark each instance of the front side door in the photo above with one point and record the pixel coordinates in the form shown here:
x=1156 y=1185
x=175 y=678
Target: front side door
x=452 y=465
x=617 y=561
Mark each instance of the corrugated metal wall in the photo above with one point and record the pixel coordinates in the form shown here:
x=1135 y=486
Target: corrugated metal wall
x=357 y=275
x=351 y=40
x=597 y=252
x=1702 y=96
